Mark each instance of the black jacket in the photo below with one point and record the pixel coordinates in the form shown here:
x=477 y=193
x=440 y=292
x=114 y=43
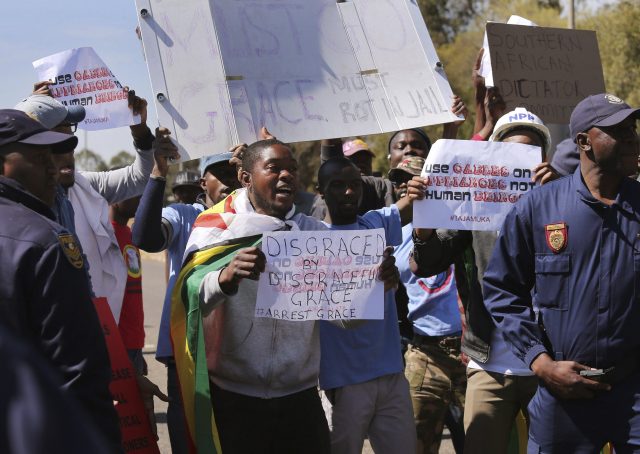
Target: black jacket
x=470 y=252
x=45 y=300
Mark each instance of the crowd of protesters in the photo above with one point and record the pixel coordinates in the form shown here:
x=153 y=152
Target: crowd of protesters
x=535 y=324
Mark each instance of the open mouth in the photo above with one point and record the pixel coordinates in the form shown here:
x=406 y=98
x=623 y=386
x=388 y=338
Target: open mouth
x=284 y=191
x=66 y=170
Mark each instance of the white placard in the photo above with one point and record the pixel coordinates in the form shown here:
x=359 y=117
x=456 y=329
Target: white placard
x=485 y=65
x=472 y=185
x=80 y=77
x=324 y=275
x=306 y=70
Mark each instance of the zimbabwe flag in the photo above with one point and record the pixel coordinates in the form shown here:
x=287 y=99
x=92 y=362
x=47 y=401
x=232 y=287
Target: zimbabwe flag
x=217 y=234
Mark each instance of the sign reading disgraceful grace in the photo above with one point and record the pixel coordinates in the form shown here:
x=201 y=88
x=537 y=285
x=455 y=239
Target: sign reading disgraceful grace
x=323 y=275
x=222 y=69
x=472 y=185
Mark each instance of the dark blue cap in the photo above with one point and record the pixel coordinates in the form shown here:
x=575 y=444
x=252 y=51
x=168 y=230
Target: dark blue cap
x=17 y=127
x=566 y=157
x=208 y=161
x=602 y=109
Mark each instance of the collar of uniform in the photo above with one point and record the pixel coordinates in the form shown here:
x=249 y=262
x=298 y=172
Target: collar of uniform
x=622 y=199
x=12 y=190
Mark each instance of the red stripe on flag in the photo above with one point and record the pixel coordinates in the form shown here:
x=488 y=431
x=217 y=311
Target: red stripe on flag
x=227 y=205
x=210 y=220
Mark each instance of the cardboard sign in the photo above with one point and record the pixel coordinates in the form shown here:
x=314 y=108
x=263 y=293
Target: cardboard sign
x=472 y=185
x=134 y=423
x=485 y=64
x=545 y=70
x=222 y=69
x=80 y=77
x=325 y=275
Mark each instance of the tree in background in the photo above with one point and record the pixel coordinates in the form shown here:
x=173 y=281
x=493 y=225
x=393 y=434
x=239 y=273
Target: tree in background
x=90 y=161
x=619 y=43
x=122 y=159
x=457 y=29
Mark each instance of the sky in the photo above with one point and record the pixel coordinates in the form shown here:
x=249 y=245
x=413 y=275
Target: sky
x=32 y=29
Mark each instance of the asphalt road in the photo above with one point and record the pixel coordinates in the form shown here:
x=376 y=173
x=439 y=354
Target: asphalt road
x=153 y=288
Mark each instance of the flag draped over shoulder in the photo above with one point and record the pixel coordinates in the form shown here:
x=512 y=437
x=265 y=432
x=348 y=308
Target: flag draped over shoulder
x=217 y=234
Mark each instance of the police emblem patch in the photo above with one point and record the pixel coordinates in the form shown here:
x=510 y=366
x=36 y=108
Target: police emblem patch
x=613 y=99
x=557 y=236
x=71 y=249
x=132 y=259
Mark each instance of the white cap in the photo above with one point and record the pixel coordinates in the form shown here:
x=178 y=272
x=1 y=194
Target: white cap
x=518 y=118
x=49 y=112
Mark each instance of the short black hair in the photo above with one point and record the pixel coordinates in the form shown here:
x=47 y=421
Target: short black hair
x=253 y=152
x=418 y=131
x=329 y=167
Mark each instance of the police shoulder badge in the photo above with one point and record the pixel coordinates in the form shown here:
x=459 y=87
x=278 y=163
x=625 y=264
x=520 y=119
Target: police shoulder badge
x=557 y=236
x=71 y=249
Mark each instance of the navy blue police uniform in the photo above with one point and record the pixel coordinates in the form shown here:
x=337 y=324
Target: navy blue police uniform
x=45 y=300
x=582 y=260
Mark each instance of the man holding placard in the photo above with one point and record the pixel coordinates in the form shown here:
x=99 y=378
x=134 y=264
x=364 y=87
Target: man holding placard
x=498 y=384
x=361 y=369
x=575 y=242
x=264 y=371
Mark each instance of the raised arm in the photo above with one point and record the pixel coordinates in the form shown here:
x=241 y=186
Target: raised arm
x=130 y=181
x=149 y=232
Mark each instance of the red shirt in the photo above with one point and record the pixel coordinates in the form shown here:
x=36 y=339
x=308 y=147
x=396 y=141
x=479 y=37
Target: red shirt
x=131 y=324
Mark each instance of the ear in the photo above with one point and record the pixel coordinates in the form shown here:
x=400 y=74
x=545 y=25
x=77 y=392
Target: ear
x=245 y=178
x=203 y=184
x=583 y=141
x=319 y=191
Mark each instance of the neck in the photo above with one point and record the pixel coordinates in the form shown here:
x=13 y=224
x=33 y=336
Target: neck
x=604 y=186
x=337 y=220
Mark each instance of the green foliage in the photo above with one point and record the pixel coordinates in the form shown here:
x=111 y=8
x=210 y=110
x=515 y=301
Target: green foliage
x=446 y=18
x=89 y=161
x=122 y=159
x=457 y=29
x=619 y=43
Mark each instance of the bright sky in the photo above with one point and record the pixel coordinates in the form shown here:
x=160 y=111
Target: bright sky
x=32 y=29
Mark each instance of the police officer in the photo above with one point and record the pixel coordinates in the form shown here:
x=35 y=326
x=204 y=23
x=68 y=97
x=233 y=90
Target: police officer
x=44 y=291
x=576 y=243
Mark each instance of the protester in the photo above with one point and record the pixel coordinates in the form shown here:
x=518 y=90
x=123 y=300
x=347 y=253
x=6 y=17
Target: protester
x=131 y=323
x=434 y=370
x=264 y=371
x=156 y=229
x=186 y=187
x=575 y=241
x=358 y=152
x=90 y=194
x=361 y=369
x=566 y=158
x=45 y=297
x=498 y=384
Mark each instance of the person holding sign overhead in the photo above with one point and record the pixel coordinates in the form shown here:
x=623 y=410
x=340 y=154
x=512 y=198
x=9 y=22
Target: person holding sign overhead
x=575 y=243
